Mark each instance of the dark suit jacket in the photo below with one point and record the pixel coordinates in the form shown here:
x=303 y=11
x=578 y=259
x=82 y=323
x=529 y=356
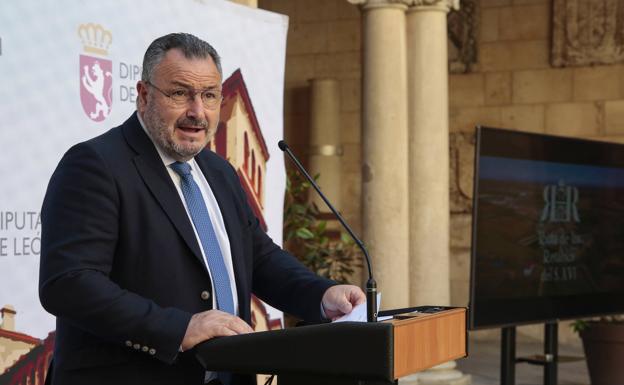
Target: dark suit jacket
x=122 y=270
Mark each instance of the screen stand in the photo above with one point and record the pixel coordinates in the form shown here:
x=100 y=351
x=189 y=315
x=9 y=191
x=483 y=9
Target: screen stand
x=551 y=342
x=548 y=360
x=508 y=355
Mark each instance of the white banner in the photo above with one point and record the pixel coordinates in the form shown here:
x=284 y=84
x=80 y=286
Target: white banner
x=68 y=71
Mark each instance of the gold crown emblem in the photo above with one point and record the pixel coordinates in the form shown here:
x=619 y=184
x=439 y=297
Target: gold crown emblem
x=95 y=38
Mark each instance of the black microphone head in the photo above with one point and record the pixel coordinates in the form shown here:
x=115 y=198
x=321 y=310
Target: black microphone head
x=282 y=145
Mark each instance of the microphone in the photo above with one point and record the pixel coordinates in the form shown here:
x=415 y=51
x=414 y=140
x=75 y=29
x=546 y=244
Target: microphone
x=371 y=285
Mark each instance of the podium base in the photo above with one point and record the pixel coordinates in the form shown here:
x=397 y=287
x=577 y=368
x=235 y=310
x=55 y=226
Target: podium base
x=298 y=379
x=462 y=379
x=444 y=374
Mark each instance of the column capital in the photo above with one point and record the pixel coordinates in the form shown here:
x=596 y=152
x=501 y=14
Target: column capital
x=368 y=4
x=444 y=5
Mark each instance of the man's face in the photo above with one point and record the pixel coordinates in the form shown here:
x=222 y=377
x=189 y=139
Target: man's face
x=181 y=130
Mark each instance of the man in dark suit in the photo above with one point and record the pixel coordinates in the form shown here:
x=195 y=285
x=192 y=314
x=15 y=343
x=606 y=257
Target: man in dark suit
x=149 y=246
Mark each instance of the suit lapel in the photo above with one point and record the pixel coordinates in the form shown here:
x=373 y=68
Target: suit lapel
x=219 y=186
x=155 y=175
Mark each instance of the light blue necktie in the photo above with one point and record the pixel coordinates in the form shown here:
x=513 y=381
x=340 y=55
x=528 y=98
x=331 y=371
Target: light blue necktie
x=203 y=226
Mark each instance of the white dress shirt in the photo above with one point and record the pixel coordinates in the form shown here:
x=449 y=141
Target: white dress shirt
x=213 y=211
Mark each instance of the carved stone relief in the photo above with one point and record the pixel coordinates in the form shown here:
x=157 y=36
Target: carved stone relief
x=462 y=37
x=461 y=151
x=587 y=32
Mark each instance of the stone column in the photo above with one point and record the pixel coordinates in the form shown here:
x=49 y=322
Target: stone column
x=384 y=147
x=427 y=61
x=428 y=152
x=325 y=147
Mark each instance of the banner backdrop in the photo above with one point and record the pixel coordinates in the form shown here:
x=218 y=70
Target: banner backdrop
x=68 y=72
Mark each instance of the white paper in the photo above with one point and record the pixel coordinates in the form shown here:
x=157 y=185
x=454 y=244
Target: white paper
x=358 y=314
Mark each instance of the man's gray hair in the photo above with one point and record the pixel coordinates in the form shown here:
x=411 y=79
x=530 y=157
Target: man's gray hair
x=191 y=46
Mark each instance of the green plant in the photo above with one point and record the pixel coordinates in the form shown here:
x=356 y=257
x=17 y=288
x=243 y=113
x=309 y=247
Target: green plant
x=583 y=324
x=579 y=325
x=307 y=236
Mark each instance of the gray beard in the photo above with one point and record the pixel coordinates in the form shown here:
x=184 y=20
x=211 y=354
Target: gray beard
x=164 y=138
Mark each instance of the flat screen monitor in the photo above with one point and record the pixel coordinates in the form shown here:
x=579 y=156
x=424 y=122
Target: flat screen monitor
x=548 y=229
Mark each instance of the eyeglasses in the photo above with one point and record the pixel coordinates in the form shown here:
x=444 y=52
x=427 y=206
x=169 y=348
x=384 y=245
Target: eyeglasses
x=182 y=96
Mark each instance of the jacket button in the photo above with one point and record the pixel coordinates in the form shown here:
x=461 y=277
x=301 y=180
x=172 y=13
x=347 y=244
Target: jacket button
x=136 y=346
x=152 y=351
x=205 y=295
x=144 y=349
x=129 y=343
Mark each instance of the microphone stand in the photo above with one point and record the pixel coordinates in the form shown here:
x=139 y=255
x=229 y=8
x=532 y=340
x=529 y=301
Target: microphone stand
x=371 y=285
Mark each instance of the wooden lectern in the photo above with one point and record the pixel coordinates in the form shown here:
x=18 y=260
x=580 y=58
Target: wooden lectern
x=347 y=352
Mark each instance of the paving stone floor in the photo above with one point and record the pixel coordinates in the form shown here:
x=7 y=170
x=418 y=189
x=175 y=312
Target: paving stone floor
x=483 y=363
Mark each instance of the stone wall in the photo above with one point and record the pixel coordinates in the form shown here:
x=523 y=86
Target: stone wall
x=324 y=41
x=512 y=85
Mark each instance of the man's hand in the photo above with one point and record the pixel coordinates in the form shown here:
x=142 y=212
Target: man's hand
x=212 y=323
x=340 y=299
